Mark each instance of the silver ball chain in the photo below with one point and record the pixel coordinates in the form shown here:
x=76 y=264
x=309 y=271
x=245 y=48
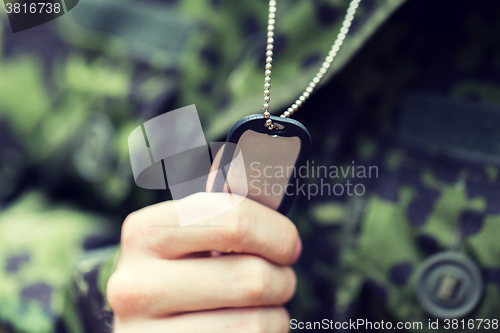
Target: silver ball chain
x=346 y=24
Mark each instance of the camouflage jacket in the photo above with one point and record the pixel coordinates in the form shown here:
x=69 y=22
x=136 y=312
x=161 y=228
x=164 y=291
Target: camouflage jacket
x=415 y=92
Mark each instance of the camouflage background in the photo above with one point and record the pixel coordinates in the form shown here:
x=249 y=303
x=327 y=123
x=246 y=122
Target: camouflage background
x=72 y=90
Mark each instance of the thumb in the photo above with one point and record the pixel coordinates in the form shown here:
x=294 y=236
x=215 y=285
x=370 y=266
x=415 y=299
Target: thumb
x=212 y=174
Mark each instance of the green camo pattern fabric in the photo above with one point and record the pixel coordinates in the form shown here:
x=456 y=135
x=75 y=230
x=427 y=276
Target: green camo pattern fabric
x=72 y=90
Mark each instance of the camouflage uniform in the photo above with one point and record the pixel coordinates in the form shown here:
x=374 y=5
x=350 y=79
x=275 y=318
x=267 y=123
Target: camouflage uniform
x=72 y=90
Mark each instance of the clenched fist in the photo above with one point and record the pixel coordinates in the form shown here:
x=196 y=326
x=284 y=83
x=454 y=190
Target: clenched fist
x=227 y=274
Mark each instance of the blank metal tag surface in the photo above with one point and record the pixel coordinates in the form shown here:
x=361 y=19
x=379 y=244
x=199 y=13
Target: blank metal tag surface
x=261 y=164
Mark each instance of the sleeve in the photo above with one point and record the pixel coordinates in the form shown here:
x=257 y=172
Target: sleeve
x=88 y=309
x=41 y=287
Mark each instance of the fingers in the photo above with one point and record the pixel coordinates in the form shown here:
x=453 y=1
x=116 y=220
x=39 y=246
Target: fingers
x=271 y=320
x=200 y=292
x=153 y=290
x=249 y=227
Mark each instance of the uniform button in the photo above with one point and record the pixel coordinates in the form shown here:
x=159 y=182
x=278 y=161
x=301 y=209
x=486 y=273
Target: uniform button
x=449 y=285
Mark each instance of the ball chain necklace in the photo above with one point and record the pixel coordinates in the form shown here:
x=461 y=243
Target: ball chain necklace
x=271 y=141
x=283 y=142
x=322 y=71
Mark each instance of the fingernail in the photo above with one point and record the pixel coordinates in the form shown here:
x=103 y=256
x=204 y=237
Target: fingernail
x=297 y=252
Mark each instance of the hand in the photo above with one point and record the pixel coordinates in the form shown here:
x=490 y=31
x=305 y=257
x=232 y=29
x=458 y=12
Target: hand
x=167 y=280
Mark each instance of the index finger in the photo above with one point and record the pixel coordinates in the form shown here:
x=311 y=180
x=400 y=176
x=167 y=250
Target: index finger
x=249 y=227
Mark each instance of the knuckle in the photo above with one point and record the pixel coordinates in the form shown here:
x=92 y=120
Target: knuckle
x=257 y=321
x=290 y=241
x=114 y=293
x=130 y=235
x=256 y=279
x=122 y=293
x=235 y=228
